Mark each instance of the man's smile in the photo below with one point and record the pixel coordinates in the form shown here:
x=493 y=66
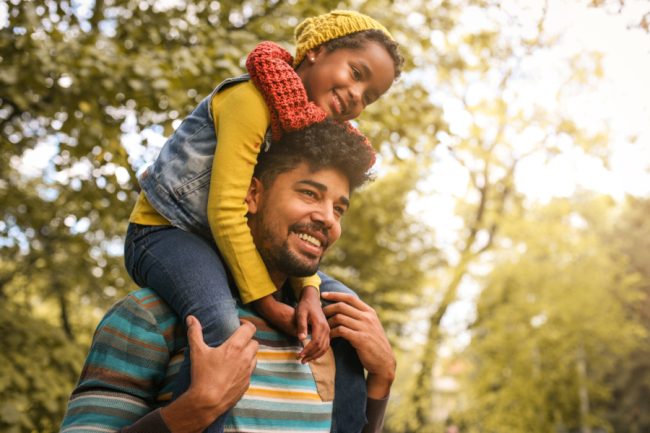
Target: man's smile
x=312 y=240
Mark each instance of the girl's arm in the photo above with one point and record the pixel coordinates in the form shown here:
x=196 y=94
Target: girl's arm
x=241 y=120
x=242 y=115
x=271 y=70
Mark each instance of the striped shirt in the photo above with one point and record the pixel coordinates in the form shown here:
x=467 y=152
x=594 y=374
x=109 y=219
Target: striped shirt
x=282 y=396
x=136 y=353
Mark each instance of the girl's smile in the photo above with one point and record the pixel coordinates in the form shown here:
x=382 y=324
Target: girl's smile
x=346 y=80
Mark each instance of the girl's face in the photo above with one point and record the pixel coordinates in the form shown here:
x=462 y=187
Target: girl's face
x=344 y=81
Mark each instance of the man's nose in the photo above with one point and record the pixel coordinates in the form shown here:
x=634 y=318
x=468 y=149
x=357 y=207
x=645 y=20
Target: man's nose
x=325 y=215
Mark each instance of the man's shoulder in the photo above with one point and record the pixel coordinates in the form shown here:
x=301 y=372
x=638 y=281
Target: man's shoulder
x=145 y=309
x=147 y=299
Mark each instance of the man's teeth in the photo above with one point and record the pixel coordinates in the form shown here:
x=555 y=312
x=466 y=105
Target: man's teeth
x=312 y=240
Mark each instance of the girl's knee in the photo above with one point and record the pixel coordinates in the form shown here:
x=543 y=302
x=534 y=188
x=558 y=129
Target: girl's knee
x=218 y=321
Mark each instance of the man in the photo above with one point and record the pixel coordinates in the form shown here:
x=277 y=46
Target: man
x=296 y=201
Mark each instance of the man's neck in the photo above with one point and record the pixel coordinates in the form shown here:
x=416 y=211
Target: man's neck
x=278 y=278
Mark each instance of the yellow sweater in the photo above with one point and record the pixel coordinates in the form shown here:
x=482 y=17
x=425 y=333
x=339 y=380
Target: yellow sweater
x=241 y=119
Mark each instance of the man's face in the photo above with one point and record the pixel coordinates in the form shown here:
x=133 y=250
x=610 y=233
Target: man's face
x=297 y=218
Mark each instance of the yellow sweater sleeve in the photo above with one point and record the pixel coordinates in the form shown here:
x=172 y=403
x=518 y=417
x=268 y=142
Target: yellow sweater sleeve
x=241 y=119
x=299 y=283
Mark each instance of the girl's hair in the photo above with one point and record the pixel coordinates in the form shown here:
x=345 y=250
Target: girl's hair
x=360 y=39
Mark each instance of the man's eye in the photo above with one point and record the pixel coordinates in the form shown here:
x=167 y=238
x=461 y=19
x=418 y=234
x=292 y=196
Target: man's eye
x=339 y=210
x=308 y=193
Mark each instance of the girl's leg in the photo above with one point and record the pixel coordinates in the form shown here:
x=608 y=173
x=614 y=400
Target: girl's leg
x=188 y=273
x=350 y=395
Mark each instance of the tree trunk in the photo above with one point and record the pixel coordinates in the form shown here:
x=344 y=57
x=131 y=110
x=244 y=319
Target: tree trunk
x=424 y=385
x=64 y=316
x=583 y=393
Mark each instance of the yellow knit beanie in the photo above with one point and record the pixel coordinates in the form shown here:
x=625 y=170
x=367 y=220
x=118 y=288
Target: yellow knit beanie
x=315 y=31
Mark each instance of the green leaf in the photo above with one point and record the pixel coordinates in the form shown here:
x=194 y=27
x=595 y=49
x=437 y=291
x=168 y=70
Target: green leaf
x=9 y=413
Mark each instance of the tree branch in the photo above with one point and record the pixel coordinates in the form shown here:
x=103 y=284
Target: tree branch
x=98 y=14
x=268 y=9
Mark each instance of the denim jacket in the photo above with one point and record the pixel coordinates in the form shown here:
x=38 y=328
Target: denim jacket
x=178 y=182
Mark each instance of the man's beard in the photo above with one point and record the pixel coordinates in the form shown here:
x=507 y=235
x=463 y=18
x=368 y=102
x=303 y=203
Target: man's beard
x=282 y=259
x=289 y=263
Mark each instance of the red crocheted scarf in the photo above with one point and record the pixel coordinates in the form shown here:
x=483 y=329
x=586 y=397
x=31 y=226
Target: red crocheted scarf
x=271 y=70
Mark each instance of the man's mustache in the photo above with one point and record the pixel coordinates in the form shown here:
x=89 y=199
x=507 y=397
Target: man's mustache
x=311 y=228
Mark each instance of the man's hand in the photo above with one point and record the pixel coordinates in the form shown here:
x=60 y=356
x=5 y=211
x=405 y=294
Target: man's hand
x=279 y=315
x=310 y=313
x=352 y=319
x=220 y=376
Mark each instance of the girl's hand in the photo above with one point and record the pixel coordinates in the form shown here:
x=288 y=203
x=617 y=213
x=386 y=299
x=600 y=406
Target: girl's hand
x=350 y=318
x=310 y=314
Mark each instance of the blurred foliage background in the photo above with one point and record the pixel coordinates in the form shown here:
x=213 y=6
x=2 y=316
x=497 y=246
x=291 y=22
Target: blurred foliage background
x=560 y=337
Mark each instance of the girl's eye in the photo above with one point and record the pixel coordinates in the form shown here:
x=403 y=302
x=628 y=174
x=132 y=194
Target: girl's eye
x=356 y=74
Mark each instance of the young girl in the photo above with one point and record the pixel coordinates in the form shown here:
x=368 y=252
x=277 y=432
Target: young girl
x=193 y=194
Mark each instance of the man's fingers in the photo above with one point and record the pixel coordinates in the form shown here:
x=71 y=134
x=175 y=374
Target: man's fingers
x=343 y=332
x=347 y=298
x=244 y=333
x=251 y=368
x=242 y=339
x=344 y=320
x=251 y=351
x=194 y=333
x=342 y=308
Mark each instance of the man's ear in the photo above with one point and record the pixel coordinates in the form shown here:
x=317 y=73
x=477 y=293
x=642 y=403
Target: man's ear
x=253 y=195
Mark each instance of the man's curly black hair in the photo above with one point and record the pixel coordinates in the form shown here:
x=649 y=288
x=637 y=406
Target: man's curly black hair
x=327 y=144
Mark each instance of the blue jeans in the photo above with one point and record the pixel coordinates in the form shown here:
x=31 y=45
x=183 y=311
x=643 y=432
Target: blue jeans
x=350 y=395
x=187 y=271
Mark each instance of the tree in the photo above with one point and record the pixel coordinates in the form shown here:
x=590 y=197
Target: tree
x=34 y=382
x=497 y=127
x=552 y=324
x=642 y=20
x=629 y=408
